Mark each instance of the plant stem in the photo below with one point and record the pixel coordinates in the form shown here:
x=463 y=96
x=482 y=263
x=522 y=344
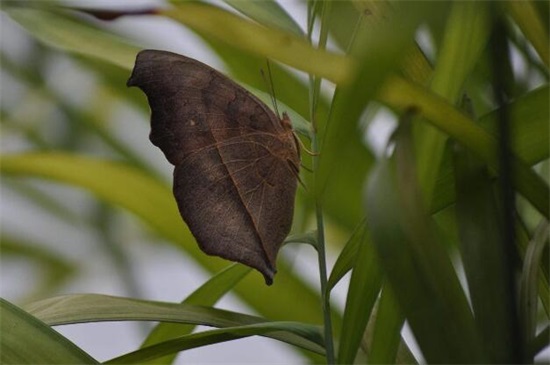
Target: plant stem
x=321 y=255
x=503 y=83
x=315 y=91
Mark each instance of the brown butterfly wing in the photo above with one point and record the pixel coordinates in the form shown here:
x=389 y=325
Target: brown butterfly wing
x=233 y=180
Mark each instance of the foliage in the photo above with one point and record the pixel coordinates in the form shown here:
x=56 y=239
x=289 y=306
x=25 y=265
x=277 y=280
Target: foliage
x=461 y=186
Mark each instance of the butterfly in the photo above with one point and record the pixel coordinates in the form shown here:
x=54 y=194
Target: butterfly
x=236 y=162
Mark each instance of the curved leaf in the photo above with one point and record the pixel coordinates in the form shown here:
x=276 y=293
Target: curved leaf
x=26 y=340
x=379 y=51
x=419 y=270
x=403 y=95
x=526 y=17
x=268 y=42
x=530 y=139
x=529 y=279
x=119 y=184
x=208 y=338
x=346 y=260
x=63 y=32
x=268 y=13
x=84 y=308
x=207 y=294
x=529 y=117
x=386 y=337
x=481 y=236
x=466 y=34
x=364 y=287
x=153 y=202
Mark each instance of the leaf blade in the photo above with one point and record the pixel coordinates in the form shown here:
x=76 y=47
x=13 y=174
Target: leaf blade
x=71 y=309
x=26 y=340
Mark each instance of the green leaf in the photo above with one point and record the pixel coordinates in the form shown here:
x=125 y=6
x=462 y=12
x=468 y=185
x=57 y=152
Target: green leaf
x=530 y=279
x=530 y=130
x=525 y=243
x=152 y=201
x=346 y=259
x=60 y=31
x=418 y=268
x=84 y=308
x=119 y=184
x=379 y=51
x=481 y=237
x=268 y=42
x=529 y=139
x=346 y=180
x=26 y=340
x=364 y=287
x=211 y=337
x=401 y=94
x=528 y=20
x=465 y=37
x=207 y=295
x=268 y=13
x=386 y=336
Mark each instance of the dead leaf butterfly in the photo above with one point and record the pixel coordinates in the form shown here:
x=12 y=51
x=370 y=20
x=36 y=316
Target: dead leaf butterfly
x=236 y=162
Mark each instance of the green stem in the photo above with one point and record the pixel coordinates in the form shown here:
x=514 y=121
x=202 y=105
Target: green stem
x=315 y=91
x=321 y=255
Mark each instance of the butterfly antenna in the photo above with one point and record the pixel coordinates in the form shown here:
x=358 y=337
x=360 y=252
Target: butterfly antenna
x=271 y=88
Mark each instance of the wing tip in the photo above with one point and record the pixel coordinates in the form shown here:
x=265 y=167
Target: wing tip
x=268 y=274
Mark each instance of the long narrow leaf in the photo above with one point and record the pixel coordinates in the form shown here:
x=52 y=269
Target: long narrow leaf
x=364 y=287
x=84 y=308
x=403 y=95
x=386 y=337
x=379 y=51
x=26 y=340
x=207 y=338
x=466 y=34
x=249 y=37
x=528 y=19
x=268 y=13
x=60 y=31
x=530 y=280
x=418 y=268
x=529 y=140
x=153 y=202
x=346 y=260
x=524 y=241
x=481 y=237
x=207 y=295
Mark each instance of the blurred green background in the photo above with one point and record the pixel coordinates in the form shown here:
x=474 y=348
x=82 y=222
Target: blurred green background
x=87 y=205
